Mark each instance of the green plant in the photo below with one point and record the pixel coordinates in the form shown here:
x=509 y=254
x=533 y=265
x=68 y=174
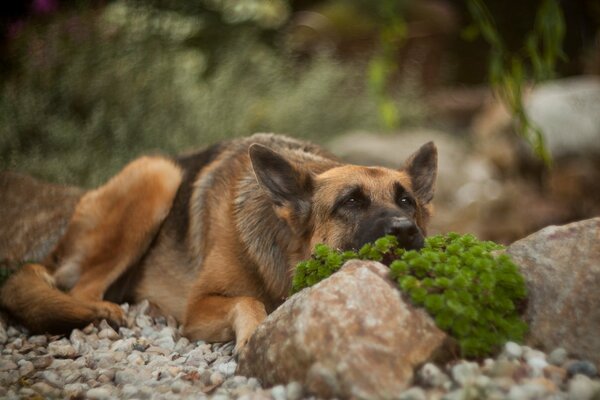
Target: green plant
x=509 y=71
x=471 y=293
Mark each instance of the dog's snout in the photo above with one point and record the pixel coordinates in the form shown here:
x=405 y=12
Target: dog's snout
x=402 y=228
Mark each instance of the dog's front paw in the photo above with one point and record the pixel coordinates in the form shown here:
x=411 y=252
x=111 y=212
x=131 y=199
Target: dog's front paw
x=112 y=313
x=241 y=345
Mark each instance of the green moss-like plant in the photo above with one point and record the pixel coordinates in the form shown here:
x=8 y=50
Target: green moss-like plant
x=471 y=293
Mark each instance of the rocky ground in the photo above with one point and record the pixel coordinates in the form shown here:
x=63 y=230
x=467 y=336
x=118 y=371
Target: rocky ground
x=151 y=360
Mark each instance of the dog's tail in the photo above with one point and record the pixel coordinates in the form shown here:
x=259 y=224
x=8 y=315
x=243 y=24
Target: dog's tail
x=31 y=296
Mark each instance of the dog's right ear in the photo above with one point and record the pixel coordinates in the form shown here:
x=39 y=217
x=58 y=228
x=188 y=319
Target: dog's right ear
x=279 y=178
x=422 y=168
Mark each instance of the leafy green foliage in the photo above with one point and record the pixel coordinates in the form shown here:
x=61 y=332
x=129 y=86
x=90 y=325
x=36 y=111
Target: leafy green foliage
x=509 y=72
x=90 y=91
x=471 y=293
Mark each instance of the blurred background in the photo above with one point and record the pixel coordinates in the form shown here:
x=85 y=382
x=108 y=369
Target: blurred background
x=85 y=86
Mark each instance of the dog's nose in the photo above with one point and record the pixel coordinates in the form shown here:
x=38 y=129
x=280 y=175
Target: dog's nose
x=404 y=229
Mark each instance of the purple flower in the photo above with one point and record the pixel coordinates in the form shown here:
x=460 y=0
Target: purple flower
x=44 y=6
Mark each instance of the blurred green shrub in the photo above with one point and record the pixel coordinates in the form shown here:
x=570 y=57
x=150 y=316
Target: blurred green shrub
x=510 y=72
x=94 y=90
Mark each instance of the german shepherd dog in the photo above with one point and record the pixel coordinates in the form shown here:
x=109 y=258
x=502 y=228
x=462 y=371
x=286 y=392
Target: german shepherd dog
x=212 y=238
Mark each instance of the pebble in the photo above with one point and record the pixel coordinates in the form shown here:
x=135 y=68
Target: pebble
x=432 y=376
x=414 y=393
x=108 y=333
x=45 y=389
x=7 y=365
x=62 y=348
x=557 y=356
x=513 y=350
x=582 y=387
x=537 y=365
x=278 y=392
x=465 y=372
x=582 y=367
x=38 y=340
x=100 y=393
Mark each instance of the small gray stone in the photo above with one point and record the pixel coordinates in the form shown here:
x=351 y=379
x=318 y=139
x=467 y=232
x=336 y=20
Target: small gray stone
x=12 y=332
x=135 y=358
x=8 y=378
x=582 y=387
x=179 y=386
x=278 y=392
x=166 y=342
x=129 y=390
x=558 y=356
x=126 y=332
x=432 y=376
x=15 y=344
x=583 y=367
x=7 y=365
x=414 y=393
x=512 y=350
x=108 y=333
x=42 y=361
x=38 y=340
x=45 y=390
x=71 y=376
x=537 y=365
x=73 y=390
x=99 y=393
x=182 y=344
x=294 y=391
x=61 y=363
x=26 y=392
x=253 y=383
x=52 y=378
x=62 y=348
x=25 y=367
x=465 y=372
x=216 y=378
x=228 y=368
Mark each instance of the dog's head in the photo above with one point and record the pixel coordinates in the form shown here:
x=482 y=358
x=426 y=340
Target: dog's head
x=347 y=206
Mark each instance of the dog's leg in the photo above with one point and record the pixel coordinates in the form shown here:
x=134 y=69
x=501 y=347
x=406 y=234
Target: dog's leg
x=30 y=295
x=110 y=230
x=113 y=226
x=219 y=318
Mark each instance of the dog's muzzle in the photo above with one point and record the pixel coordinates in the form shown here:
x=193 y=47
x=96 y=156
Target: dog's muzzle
x=405 y=230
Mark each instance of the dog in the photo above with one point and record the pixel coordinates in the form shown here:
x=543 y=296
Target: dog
x=212 y=238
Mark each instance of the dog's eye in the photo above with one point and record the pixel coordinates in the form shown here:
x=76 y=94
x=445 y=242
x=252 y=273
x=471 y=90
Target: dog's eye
x=406 y=201
x=355 y=202
x=352 y=201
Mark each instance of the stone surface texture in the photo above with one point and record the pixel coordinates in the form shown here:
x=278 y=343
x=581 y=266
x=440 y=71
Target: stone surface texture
x=561 y=265
x=349 y=336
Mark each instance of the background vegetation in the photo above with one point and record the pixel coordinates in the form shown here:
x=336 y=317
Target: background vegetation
x=88 y=85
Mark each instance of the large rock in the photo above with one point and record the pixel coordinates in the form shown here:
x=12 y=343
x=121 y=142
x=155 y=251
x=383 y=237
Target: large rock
x=350 y=336
x=561 y=265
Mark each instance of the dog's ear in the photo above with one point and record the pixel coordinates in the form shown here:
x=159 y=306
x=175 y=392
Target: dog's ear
x=422 y=169
x=282 y=180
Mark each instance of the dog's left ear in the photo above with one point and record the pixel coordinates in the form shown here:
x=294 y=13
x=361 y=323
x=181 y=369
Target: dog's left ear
x=283 y=182
x=422 y=168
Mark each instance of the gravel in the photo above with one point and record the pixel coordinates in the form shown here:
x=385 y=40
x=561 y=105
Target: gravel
x=150 y=359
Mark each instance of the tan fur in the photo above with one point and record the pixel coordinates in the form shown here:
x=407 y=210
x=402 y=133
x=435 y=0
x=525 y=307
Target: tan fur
x=213 y=245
